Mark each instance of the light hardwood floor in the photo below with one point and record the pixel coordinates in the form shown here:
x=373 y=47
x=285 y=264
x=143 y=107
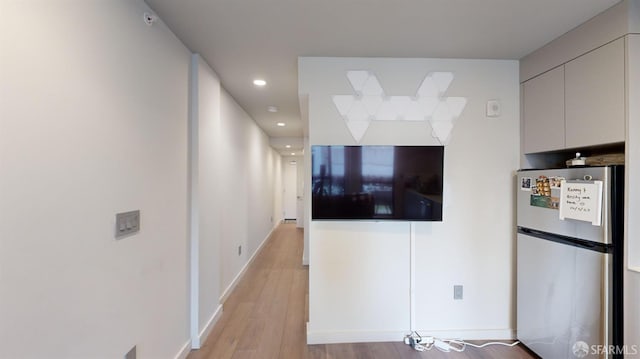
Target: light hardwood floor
x=265 y=316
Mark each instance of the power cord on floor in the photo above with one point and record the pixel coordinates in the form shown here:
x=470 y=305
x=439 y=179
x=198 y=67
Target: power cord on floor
x=420 y=343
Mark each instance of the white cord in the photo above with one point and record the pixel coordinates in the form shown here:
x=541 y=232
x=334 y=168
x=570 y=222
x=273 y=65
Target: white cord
x=421 y=343
x=493 y=343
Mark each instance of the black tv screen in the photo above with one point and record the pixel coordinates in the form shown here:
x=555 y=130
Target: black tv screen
x=377 y=182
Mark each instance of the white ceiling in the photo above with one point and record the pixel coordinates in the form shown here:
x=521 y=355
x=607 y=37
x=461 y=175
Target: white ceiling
x=247 y=39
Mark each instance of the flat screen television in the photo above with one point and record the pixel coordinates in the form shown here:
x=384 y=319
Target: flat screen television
x=377 y=183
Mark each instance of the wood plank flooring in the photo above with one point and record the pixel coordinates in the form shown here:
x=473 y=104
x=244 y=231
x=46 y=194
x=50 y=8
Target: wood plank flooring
x=265 y=316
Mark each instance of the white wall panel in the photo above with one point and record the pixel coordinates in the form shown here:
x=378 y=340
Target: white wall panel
x=472 y=246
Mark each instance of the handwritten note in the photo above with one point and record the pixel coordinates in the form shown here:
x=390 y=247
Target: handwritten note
x=581 y=200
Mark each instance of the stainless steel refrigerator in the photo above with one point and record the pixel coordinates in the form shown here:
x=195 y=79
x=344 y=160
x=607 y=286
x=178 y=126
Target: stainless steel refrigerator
x=569 y=271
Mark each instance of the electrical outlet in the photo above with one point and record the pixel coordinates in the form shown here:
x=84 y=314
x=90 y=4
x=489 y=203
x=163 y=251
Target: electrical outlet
x=131 y=354
x=239 y=250
x=457 y=292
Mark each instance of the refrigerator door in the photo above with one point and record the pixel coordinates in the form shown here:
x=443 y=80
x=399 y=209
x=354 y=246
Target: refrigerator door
x=561 y=297
x=547 y=219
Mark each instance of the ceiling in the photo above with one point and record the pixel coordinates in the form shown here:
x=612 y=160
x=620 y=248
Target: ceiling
x=247 y=39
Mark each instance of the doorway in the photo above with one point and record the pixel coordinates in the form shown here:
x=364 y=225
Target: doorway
x=289 y=188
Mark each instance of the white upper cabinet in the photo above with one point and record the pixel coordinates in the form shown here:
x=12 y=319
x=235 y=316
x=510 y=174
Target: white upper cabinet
x=543 y=112
x=594 y=97
x=578 y=104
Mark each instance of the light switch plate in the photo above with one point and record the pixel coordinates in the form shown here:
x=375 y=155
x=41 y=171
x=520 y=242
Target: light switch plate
x=127 y=223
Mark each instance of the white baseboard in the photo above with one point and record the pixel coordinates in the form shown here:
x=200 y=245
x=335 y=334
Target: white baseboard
x=305 y=260
x=480 y=334
x=237 y=278
x=184 y=351
x=212 y=321
x=397 y=336
x=353 y=337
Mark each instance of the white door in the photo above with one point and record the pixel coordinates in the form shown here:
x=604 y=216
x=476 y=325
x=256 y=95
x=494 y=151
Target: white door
x=290 y=174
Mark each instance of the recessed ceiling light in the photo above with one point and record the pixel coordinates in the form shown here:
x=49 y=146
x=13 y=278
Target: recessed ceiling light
x=287 y=146
x=281 y=124
x=259 y=82
x=272 y=109
x=293 y=153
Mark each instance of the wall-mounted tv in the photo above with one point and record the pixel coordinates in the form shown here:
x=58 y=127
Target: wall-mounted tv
x=377 y=183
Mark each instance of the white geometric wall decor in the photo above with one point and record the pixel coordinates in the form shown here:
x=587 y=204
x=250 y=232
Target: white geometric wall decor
x=371 y=103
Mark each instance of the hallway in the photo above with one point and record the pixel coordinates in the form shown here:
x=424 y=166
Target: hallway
x=265 y=316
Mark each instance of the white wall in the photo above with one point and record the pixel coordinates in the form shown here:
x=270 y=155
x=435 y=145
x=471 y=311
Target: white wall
x=358 y=281
x=276 y=187
x=93 y=121
x=632 y=251
x=306 y=202
x=472 y=246
x=205 y=189
x=250 y=188
x=237 y=197
x=300 y=168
